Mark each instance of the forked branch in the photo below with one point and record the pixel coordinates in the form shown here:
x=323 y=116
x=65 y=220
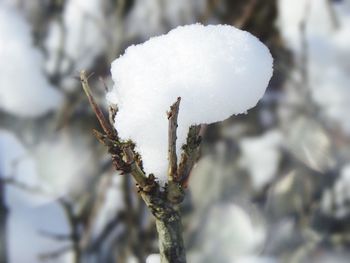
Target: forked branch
x=163 y=203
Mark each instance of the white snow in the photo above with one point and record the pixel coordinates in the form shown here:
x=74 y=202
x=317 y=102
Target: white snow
x=256 y=259
x=328 y=53
x=151 y=17
x=153 y=258
x=338 y=195
x=84 y=33
x=113 y=203
x=230 y=233
x=16 y=163
x=217 y=70
x=11 y=151
x=65 y=163
x=26 y=218
x=24 y=90
x=261 y=156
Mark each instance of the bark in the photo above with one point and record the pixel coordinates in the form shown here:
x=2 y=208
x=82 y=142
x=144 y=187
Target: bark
x=171 y=245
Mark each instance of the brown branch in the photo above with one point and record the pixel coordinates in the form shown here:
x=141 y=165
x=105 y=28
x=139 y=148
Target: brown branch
x=172 y=127
x=247 y=13
x=135 y=169
x=98 y=112
x=190 y=153
x=74 y=224
x=163 y=204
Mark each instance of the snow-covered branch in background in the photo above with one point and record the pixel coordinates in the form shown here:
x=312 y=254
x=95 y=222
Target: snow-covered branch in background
x=24 y=90
x=327 y=51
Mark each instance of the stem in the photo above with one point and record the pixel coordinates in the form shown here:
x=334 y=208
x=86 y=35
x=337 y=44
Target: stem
x=171 y=245
x=163 y=203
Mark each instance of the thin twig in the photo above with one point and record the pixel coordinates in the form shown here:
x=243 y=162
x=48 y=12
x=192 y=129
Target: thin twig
x=55 y=236
x=190 y=154
x=102 y=190
x=99 y=114
x=172 y=127
x=55 y=254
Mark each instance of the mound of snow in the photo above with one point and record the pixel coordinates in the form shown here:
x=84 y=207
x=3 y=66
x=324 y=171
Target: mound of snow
x=217 y=70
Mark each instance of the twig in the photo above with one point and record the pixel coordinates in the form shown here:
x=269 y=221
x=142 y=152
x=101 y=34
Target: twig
x=102 y=190
x=172 y=127
x=190 y=154
x=55 y=254
x=163 y=204
x=333 y=15
x=107 y=230
x=247 y=13
x=99 y=114
x=26 y=187
x=55 y=236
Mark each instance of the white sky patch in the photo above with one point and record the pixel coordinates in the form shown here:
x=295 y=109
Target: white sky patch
x=24 y=90
x=217 y=70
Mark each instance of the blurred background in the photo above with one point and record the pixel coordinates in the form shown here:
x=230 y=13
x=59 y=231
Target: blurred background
x=271 y=186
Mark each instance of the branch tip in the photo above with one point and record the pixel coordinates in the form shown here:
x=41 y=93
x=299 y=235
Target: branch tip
x=172 y=128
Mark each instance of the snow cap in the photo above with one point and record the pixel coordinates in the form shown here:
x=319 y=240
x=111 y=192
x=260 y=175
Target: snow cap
x=217 y=70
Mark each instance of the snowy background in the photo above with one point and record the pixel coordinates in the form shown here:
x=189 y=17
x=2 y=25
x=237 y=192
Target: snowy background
x=272 y=185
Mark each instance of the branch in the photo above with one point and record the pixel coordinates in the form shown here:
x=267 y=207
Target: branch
x=123 y=155
x=172 y=127
x=107 y=230
x=25 y=187
x=55 y=236
x=190 y=153
x=333 y=15
x=98 y=112
x=135 y=169
x=55 y=254
x=102 y=190
x=163 y=203
x=247 y=13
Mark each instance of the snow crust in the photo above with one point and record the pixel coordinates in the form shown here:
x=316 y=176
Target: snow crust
x=217 y=70
x=24 y=90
